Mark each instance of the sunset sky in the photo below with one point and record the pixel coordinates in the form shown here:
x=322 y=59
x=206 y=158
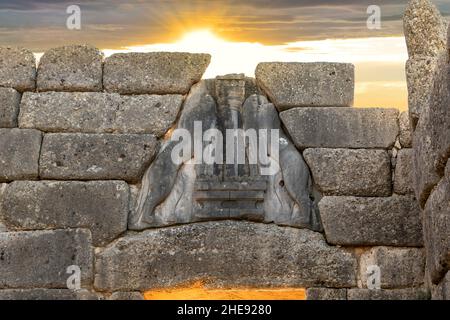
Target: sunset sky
x=238 y=33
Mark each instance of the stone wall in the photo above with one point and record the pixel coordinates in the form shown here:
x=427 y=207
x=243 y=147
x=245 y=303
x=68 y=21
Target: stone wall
x=428 y=74
x=78 y=133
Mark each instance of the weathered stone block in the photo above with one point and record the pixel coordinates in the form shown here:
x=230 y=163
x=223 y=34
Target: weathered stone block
x=442 y=290
x=47 y=294
x=405 y=136
x=404 y=172
x=383 y=294
x=227 y=253
x=79 y=156
x=9 y=107
x=154 y=72
x=19 y=154
x=71 y=68
x=436 y=231
x=326 y=294
x=350 y=172
x=126 y=296
x=294 y=84
x=93 y=112
x=40 y=258
x=399 y=267
x=2 y=190
x=342 y=127
x=431 y=138
x=101 y=206
x=386 y=221
x=420 y=72
x=17 y=69
x=424 y=28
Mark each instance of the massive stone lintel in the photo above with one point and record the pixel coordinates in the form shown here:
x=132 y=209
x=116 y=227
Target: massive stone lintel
x=39 y=259
x=71 y=68
x=17 y=69
x=101 y=206
x=154 y=72
x=225 y=254
x=92 y=112
x=294 y=84
x=342 y=127
x=361 y=221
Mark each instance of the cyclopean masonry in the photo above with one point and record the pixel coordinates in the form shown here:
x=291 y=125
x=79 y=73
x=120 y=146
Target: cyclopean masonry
x=87 y=178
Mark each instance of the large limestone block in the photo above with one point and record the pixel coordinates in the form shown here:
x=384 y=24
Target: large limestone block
x=390 y=221
x=437 y=230
x=93 y=112
x=9 y=107
x=431 y=139
x=41 y=258
x=342 y=127
x=404 y=172
x=19 y=154
x=294 y=84
x=350 y=172
x=154 y=72
x=383 y=294
x=227 y=253
x=77 y=156
x=17 y=69
x=71 y=68
x=101 y=206
x=424 y=28
x=399 y=267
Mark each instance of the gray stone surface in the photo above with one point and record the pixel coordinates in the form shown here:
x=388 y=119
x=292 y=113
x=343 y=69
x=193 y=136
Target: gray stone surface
x=71 y=68
x=326 y=294
x=442 y=290
x=80 y=156
x=350 y=172
x=341 y=127
x=101 y=206
x=436 y=231
x=154 y=72
x=404 y=172
x=40 y=258
x=17 y=69
x=227 y=253
x=399 y=267
x=295 y=84
x=19 y=154
x=130 y=295
x=420 y=78
x=424 y=28
x=390 y=221
x=2 y=190
x=93 y=112
x=9 y=107
x=384 y=294
x=405 y=136
x=47 y=294
x=431 y=138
